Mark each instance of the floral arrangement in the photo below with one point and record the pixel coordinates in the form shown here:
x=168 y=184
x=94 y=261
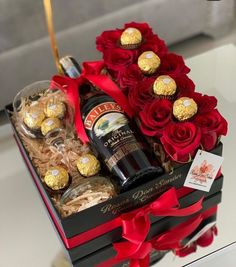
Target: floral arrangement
x=178 y=122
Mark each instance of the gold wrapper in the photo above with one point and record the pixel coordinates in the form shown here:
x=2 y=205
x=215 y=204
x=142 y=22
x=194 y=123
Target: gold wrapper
x=184 y=108
x=34 y=117
x=55 y=109
x=57 y=178
x=164 y=86
x=37 y=104
x=131 y=37
x=88 y=165
x=149 y=62
x=49 y=125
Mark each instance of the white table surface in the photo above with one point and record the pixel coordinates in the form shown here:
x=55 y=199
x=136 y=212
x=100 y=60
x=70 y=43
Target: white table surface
x=27 y=238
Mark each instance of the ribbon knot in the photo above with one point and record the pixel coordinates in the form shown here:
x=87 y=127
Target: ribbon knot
x=139 y=254
x=136 y=224
x=92 y=74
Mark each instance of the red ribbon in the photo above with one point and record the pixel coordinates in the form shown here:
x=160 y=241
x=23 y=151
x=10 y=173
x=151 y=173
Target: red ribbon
x=139 y=254
x=91 y=74
x=136 y=224
x=203 y=241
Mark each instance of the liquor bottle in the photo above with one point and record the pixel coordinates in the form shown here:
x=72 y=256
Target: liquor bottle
x=116 y=139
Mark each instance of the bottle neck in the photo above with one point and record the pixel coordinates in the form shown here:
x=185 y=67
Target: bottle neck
x=72 y=69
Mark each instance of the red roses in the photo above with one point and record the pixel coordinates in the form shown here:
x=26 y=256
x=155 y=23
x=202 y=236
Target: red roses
x=155 y=116
x=212 y=125
x=180 y=140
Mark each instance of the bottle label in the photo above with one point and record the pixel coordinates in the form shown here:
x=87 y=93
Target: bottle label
x=98 y=111
x=111 y=132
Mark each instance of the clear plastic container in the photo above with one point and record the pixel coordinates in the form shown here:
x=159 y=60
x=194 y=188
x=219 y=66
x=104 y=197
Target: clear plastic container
x=87 y=193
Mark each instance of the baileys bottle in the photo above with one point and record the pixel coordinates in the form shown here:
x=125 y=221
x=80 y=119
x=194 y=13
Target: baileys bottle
x=116 y=139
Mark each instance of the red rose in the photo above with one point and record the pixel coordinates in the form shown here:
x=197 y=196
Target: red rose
x=155 y=44
x=108 y=40
x=117 y=59
x=212 y=125
x=181 y=140
x=129 y=77
x=141 y=94
x=205 y=103
x=185 y=85
x=155 y=116
x=172 y=64
x=111 y=39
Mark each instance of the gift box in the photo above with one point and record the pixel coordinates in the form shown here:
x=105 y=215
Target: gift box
x=172 y=137
x=106 y=229
x=107 y=256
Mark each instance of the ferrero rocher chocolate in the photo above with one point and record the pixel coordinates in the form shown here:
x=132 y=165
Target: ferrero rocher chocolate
x=88 y=165
x=37 y=104
x=57 y=178
x=184 y=108
x=55 y=109
x=164 y=86
x=49 y=125
x=34 y=117
x=149 y=62
x=131 y=38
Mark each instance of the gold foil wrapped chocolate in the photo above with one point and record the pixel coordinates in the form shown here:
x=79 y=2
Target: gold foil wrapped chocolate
x=55 y=109
x=131 y=38
x=49 y=125
x=88 y=165
x=164 y=86
x=34 y=117
x=184 y=108
x=149 y=62
x=57 y=178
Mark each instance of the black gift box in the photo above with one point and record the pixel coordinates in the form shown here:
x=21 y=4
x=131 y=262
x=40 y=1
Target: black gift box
x=163 y=224
x=108 y=252
x=83 y=221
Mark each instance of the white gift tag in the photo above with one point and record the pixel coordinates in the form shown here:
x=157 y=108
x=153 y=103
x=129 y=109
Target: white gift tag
x=203 y=171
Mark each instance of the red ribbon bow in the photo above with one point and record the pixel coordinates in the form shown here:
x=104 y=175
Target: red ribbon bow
x=91 y=74
x=140 y=254
x=136 y=224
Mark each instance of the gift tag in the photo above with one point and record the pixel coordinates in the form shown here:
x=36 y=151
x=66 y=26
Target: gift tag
x=203 y=171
